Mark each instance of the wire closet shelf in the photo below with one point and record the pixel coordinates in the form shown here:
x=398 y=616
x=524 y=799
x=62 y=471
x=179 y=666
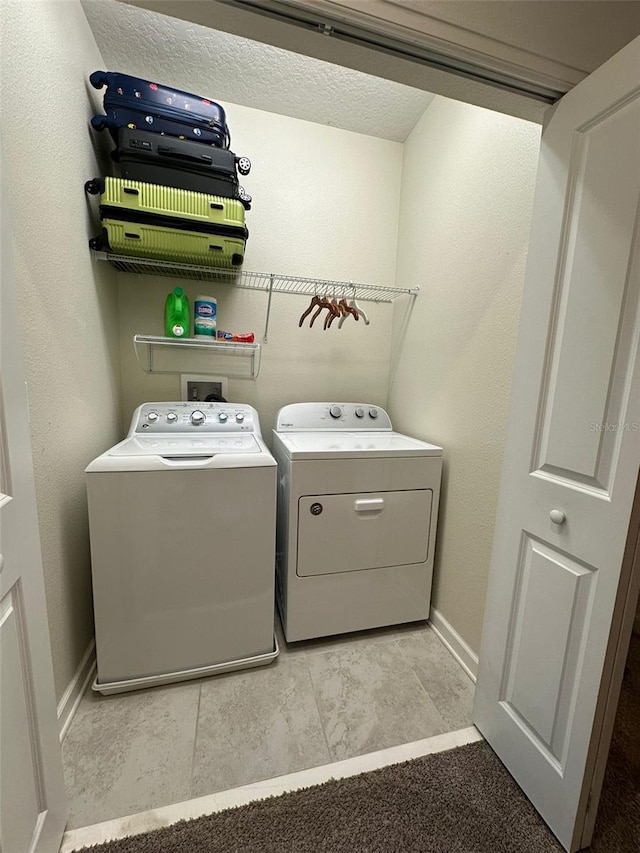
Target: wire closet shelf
x=267 y=282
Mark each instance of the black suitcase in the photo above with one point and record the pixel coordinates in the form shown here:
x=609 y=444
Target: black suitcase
x=180 y=163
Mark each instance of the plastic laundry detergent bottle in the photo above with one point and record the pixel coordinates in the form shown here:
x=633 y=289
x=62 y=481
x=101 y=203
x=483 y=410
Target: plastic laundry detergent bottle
x=176 y=314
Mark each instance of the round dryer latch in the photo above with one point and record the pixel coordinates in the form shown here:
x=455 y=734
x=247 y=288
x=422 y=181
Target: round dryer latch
x=316 y=509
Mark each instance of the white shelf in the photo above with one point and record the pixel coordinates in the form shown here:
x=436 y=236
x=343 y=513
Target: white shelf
x=157 y=354
x=271 y=282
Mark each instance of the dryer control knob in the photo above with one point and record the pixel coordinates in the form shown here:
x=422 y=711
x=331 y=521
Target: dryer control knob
x=373 y=413
x=198 y=417
x=359 y=413
x=240 y=417
x=152 y=417
x=172 y=418
x=223 y=417
x=335 y=412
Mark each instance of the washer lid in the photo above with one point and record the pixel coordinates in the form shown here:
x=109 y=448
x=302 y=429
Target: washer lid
x=352 y=445
x=161 y=452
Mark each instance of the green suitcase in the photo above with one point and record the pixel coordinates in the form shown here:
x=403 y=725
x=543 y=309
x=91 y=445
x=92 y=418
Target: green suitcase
x=165 y=223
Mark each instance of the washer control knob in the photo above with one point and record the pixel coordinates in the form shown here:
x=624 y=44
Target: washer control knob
x=335 y=412
x=240 y=417
x=152 y=417
x=373 y=413
x=172 y=418
x=359 y=412
x=198 y=417
x=223 y=417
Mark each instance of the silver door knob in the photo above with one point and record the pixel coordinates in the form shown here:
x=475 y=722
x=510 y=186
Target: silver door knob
x=557 y=516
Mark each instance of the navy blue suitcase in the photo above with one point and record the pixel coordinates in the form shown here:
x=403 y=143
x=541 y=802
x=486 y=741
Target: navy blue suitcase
x=140 y=104
x=179 y=163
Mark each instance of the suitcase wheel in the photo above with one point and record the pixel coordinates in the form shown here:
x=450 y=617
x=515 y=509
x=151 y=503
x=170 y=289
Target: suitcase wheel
x=96 y=243
x=98 y=79
x=237 y=259
x=93 y=187
x=244 y=165
x=98 y=122
x=242 y=195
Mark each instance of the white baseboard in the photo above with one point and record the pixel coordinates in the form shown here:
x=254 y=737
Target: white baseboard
x=463 y=653
x=71 y=697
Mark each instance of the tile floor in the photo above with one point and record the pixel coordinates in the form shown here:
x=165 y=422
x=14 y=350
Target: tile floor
x=321 y=701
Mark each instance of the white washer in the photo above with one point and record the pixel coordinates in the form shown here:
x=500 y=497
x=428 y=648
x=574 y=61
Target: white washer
x=357 y=514
x=182 y=521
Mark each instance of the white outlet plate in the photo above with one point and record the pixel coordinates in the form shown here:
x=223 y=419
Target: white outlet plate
x=203 y=384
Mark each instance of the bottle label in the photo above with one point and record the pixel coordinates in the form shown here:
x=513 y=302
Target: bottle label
x=178 y=330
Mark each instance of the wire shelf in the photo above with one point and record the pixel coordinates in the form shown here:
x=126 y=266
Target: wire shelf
x=271 y=282
x=158 y=354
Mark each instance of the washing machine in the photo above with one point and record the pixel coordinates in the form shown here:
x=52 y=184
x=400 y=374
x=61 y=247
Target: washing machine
x=182 y=526
x=357 y=516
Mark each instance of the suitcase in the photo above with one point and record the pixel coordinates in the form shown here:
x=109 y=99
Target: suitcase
x=141 y=104
x=180 y=163
x=152 y=221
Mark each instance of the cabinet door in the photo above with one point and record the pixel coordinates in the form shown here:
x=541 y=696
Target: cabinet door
x=367 y=530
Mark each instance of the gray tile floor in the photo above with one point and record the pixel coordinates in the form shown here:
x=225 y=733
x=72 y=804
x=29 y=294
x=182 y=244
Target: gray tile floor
x=321 y=701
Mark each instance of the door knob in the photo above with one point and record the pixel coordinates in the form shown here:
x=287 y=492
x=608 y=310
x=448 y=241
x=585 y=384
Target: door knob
x=557 y=516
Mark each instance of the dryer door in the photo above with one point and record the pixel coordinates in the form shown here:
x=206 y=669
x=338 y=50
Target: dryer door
x=368 y=530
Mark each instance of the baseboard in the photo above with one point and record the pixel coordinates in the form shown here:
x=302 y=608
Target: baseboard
x=463 y=653
x=71 y=697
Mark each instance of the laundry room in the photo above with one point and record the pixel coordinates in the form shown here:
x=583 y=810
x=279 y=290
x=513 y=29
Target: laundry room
x=414 y=210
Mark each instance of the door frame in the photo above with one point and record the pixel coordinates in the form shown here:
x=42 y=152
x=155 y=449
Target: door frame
x=613 y=672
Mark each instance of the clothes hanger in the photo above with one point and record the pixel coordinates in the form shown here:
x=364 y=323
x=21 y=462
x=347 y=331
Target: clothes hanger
x=353 y=304
x=346 y=311
x=315 y=300
x=322 y=304
x=334 y=311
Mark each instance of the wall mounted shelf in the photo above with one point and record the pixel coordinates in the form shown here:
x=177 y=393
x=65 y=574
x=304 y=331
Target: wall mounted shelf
x=157 y=354
x=268 y=282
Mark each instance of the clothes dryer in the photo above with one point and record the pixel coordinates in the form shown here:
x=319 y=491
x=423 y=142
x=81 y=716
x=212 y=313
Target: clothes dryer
x=357 y=517
x=182 y=525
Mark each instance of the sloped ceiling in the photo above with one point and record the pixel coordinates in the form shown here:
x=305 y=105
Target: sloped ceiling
x=237 y=70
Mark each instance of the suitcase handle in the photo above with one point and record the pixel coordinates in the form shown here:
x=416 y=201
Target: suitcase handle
x=165 y=151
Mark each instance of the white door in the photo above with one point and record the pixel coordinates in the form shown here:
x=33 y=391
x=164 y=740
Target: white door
x=573 y=448
x=32 y=799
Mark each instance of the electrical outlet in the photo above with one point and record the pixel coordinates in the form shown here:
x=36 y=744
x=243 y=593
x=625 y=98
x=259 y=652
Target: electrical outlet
x=197 y=388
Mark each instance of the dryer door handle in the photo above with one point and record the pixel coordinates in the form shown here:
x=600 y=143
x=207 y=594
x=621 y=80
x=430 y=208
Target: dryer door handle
x=368 y=504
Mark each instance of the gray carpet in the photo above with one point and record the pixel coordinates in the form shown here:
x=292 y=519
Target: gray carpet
x=460 y=801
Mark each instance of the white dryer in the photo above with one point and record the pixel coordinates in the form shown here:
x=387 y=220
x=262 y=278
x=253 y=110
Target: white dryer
x=182 y=523
x=357 y=515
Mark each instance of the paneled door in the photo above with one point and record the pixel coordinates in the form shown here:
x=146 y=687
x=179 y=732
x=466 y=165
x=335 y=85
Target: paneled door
x=32 y=798
x=573 y=449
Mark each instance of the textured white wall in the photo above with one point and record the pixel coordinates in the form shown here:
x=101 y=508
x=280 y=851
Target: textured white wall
x=467 y=190
x=326 y=206
x=67 y=307
x=249 y=72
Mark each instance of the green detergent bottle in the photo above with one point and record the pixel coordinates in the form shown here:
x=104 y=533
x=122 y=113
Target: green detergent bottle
x=176 y=314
